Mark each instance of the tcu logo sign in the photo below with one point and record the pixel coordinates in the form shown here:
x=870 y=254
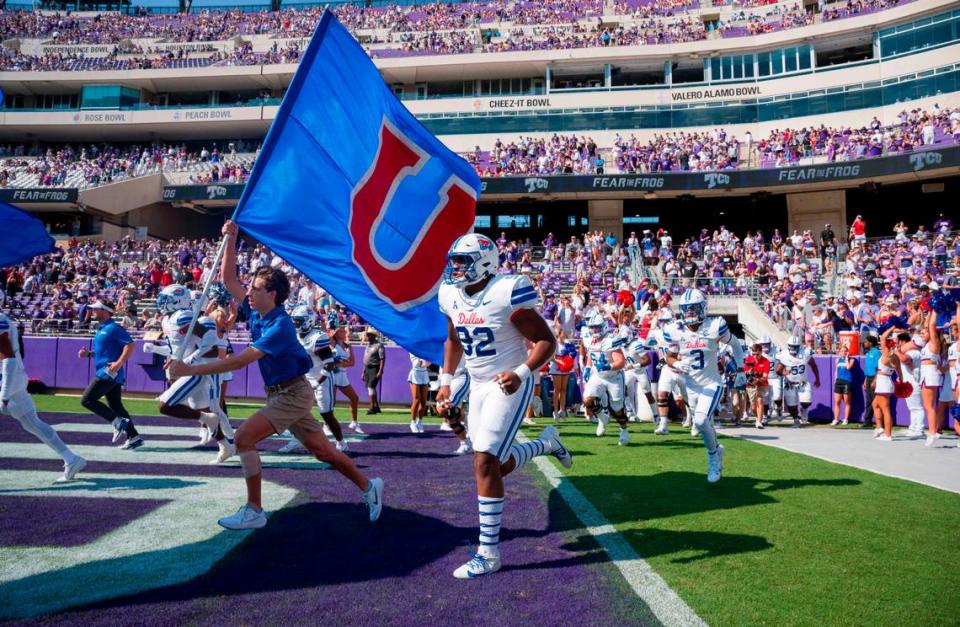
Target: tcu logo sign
x=536 y=184
x=714 y=179
x=414 y=278
x=216 y=191
x=920 y=160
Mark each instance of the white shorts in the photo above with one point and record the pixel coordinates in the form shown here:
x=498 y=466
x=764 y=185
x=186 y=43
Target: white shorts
x=459 y=388
x=21 y=404
x=643 y=380
x=340 y=379
x=704 y=399
x=608 y=391
x=794 y=392
x=495 y=417
x=670 y=382
x=323 y=393
x=630 y=378
x=197 y=392
x=418 y=377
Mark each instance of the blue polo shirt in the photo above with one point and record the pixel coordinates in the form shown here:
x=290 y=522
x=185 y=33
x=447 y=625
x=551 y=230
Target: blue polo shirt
x=274 y=334
x=871 y=361
x=108 y=343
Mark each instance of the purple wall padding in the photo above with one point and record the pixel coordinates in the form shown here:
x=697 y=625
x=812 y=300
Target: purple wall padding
x=54 y=361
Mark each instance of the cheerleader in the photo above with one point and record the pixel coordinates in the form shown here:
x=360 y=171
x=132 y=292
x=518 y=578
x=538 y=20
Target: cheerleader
x=883 y=386
x=931 y=377
x=419 y=380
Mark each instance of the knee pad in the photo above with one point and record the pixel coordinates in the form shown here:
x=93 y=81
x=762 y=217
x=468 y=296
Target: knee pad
x=593 y=405
x=663 y=402
x=250 y=463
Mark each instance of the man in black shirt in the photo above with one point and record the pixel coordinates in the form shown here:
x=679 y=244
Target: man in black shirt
x=827 y=237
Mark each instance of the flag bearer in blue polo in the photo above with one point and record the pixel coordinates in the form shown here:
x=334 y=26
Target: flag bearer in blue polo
x=283 y=363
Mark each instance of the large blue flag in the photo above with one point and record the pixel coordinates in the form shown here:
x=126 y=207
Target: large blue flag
x=30 y=239
x=354 y=192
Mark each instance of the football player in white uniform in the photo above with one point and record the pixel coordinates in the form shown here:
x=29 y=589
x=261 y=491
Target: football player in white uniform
x=321 y=375
x=792 y=367
x=188 y=398
x=454 y=417
x=671 y=381
x=639 y=399
x=605 y=389
x=17 y=402
x=694 y=351
x=489 y=316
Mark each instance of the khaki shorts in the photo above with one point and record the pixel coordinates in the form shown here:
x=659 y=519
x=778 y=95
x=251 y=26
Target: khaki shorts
x=755 y=392
x=290 y=409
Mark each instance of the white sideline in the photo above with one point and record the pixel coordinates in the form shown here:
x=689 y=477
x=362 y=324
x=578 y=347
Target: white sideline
x=665 y=604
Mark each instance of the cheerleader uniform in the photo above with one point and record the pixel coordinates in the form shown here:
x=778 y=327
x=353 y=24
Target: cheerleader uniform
x=884 y=381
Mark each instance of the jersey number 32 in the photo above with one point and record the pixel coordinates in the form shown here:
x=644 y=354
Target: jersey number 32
x=478 y=343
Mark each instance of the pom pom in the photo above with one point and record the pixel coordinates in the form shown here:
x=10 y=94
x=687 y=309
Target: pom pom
x=893 y=322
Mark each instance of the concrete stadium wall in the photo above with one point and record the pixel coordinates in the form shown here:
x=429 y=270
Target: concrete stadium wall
x=54 y=361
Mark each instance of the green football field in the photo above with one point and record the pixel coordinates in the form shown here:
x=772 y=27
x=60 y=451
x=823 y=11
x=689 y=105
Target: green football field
x=783 y=539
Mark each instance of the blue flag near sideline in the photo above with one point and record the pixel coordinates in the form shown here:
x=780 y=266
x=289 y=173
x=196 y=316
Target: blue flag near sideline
x=350 y=189
x=31 y=237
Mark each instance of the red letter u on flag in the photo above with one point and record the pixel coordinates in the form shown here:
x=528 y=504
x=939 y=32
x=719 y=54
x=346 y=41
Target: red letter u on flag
x=414 y=278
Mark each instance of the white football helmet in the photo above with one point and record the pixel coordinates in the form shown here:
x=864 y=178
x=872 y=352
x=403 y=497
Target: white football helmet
x=173 y=298
x=597 y=324
x=793 y=345
x=304 y=319
x=693 y=307
x=764 y=341
x=472 y=258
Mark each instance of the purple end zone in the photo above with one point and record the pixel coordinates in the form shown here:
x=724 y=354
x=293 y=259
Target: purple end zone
x=319 y=559
x=65 y=521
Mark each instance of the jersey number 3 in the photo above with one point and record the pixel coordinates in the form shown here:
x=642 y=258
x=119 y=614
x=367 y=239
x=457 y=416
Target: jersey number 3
x=478 y=343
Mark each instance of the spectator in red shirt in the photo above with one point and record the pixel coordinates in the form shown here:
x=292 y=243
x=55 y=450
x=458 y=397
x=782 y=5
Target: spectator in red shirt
x=156 y=275
x=756 y=367
x=858 y=232
x=166 y=278
x=196 y=273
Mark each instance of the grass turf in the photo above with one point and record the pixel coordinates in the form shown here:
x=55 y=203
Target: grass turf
x=783 y=539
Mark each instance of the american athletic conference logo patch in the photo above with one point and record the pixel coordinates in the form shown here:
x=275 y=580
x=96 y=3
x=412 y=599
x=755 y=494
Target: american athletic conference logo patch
x=415 y=277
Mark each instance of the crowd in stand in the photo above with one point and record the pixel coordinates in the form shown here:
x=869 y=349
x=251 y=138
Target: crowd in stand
x=420 y=29
x=677 y=151
x=560 y=154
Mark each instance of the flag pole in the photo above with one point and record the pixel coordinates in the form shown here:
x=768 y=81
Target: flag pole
x=202 y=301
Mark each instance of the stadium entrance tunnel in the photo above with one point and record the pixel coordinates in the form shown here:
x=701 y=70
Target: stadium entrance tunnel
x=534 y=219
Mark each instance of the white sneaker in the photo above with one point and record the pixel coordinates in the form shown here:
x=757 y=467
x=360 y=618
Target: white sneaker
x=327 y=432
x=413 y=427
x=556 y=415
x=845 y=423
x=419 y=426
x=834 y=423
x=715 y=465
x=529 y=422
x=132 y=444
x=931 y=438
x=294 y=445
x=465 y=448
x=445 y=426
x=624 y=437
x=662 y=429
x=120 y=429
x=245 y=518
x=694 y=432
x=877 y=432
x=373 y=497
x=70 y=470
x=884 y=438
x=759 y=425
x=227 y=450
x=478 y=566
x=557 y=449
x=204 y=435
x=355 y=427
x=342 y=446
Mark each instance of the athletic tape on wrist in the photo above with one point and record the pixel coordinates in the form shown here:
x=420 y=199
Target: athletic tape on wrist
x=446 y=379
x=522 y=371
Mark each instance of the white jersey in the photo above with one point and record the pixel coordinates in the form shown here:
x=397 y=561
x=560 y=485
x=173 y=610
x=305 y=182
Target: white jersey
x=700 y=349
x=19 y=372
x=310 y=342
x=600 y=349
x=491 y=343
x=772 y=358
x=795 y=368
x=209 y=342
x=175 y=328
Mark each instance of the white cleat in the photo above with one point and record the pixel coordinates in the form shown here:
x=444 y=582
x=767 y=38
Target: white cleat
x=204 y=435
x=465 y=448
x=603 y=418
x=624 y=437
x=478 y=566
x=227 y=450
x=245 y=518
x=931 y=438
x=293 y=446
x=551 y=437
x=445 y=426
x=715 y=465
x=342 y=446
x=70 y=470
x=355 y=427
x=687 y=423
x=211 y=421
x=694 y=432
x=373 y=497
x=662 y=429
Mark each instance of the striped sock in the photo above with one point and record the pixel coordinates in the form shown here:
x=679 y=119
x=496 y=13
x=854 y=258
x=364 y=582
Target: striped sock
x=491 y=509
x=523 y=453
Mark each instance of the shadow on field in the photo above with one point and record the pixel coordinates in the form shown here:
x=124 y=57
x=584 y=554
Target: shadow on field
x=668 y=494
x=692 y=545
